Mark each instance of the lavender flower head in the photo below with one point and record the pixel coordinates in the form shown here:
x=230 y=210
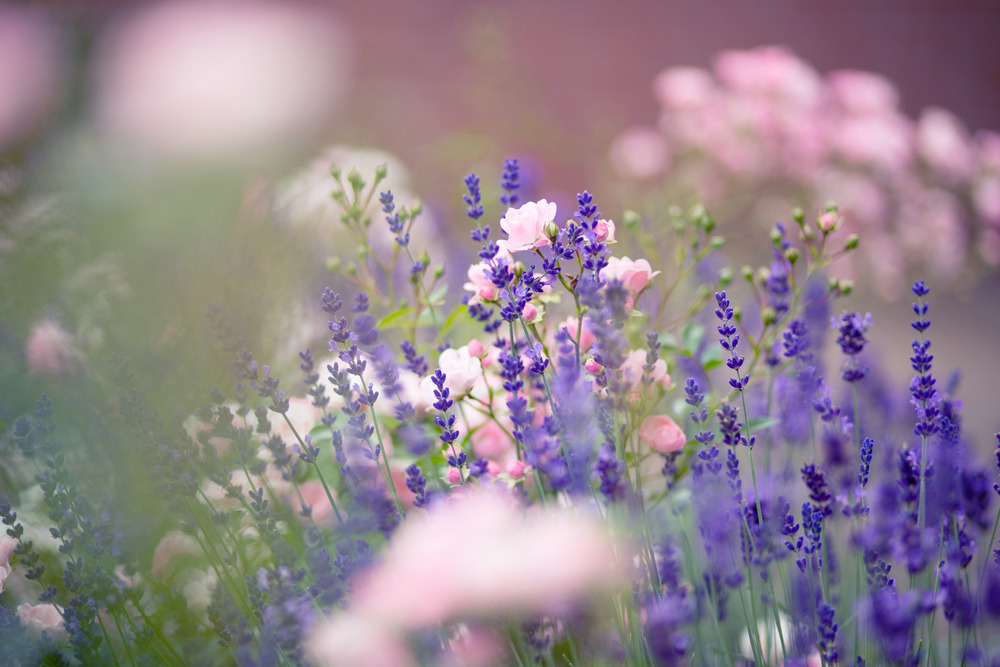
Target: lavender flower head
x=851 y=328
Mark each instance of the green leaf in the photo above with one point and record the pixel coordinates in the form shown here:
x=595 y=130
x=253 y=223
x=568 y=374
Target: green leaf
x=669 y=341
x=438 y=294
x=453 y=318
x=692 y=333
x=712 y=363
x=760 y=423
x=396 y=318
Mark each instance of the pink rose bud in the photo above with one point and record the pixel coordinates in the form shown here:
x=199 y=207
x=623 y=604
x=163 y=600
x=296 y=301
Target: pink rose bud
x=516 y=468
x=605 y=230
x=529 y=312
x=592 y=366
x=828 y=221
x=454 y=476
x=475 y=348
x=493 y=468
x=629 y=304
x=661 y=433
x=487 y=292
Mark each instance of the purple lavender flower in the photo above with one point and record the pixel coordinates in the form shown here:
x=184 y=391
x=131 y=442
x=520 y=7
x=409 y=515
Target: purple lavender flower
x=510 y=184
x=851 y=329
x=729 y=341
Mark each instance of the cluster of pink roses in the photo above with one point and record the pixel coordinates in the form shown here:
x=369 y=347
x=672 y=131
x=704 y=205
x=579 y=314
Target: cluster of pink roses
x=763 y=132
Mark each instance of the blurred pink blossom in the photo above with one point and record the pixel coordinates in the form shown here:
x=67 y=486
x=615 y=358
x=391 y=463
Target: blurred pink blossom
x=684 y=87
x=490 y=441
x=634 y=273
x=212 y=80
x=503 y=560
x=639 y=153
x=7 y=546
x=40 y=618
x=50 y=349
x=944 y=143
x=632 y=371
x=662 y=434
x=862 y=92
x=30 y=72
x=356 y=640
x=770 y=70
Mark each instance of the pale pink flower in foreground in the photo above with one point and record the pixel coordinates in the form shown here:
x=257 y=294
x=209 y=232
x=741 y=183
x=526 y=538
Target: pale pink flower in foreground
x=504 y=560
x=220 y=79
x=355 y=640
x=30 y=70
x=635 y=274
x=862 y=92
x=662 y=434
x=525 y=226
x=632 y=371
x=639 y=152
x=40 y=618
x=172 y=546
x=986 y=198
x=7 y=546
x=50 y=349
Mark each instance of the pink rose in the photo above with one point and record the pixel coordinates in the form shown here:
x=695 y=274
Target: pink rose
x=662 y=434
x=525 y=226
x=605 y=230
x=635 y=274
x=40 y=618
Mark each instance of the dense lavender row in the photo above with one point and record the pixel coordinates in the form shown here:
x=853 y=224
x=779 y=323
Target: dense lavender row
x=544 y=493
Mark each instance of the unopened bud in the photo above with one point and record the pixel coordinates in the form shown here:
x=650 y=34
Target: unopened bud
x=631 y=219
x=798 y=215
x=852 y=242
x=416 y=208
x=438 y=272
x=552 y=230
x=333 y=264
x=717 y=242
x=846 y=286
x=381 y=171
x=792 y=255
x=726 y=276
x=776 y=234
x=747 y=272
x=769 y=315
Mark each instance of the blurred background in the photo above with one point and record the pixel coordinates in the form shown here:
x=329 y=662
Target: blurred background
x=158 y=157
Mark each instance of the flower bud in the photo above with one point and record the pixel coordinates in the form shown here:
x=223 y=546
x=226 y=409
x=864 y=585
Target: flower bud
x=717 y=242
x=380 y=172
x=769 y=315
x=798 y=215
x=747 y=272
x=551 y=230
x=852 y=242
x=846 y=287
x=792 y=255
x=631 y=219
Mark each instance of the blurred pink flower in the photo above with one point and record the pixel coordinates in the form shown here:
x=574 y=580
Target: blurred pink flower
x=355 y=640
x=50 y=349
x=884 y=140
x=40 y=618
x=570 y=324
x=7 y=546
x=639 y=152
x=662 y=434
x=635 y=274
x=632 y=371
x=491 y=442
x=770 y=70
x=213 y=80
x=172 y=546
x=862 y=92
x=504 y=560
x=525 y=225
x=684 y=87
x=30 y=72
x=944 y=143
